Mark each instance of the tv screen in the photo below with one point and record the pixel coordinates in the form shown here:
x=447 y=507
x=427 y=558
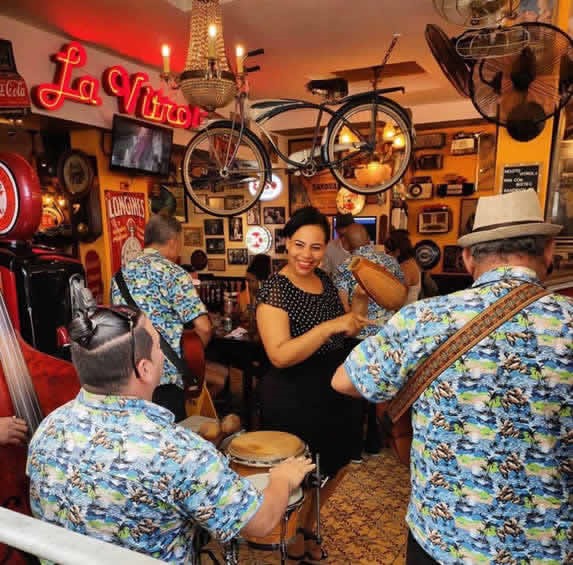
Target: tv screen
x=369 y=222
x=140 y=147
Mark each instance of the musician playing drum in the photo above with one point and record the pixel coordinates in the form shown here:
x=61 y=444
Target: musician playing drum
x=111 y=464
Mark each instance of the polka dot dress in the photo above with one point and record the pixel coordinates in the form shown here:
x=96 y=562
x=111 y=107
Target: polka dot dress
x=300 y=399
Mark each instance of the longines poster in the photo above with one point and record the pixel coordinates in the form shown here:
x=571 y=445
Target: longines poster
x=126 y=222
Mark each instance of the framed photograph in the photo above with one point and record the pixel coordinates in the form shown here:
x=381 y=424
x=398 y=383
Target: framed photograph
x=467 y=215
x=7 y=64
x=297 y=194
x=216 y=202
x=216 y=264
x=202 y=198
x=214 y=227
x=278 y=264
x=254 y=215
x=235 y=229
x=280 y=241
x=453 y=262
x=215 y=245
x=178 y=192
x=238 y=256
x=274 y=214
x=193 y=237
x=233 y=201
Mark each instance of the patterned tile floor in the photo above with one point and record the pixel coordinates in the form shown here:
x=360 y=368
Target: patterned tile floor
x=363 y=522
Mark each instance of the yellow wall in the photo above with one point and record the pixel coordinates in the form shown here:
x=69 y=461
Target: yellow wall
x=89 y=141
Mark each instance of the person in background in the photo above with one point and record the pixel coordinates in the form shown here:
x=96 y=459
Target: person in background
x=258 y=271
x=13 y=431
x=166 y=294
x=399 y=246
x=303 y=326
x=336 y=250
x=112 y=465
x=359 y=245
x=491 y=458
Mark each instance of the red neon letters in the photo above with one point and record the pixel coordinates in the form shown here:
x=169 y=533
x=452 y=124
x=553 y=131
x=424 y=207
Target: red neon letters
x=135 y=96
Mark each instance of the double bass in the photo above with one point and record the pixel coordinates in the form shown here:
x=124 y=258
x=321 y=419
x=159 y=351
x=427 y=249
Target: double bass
x=32 y=384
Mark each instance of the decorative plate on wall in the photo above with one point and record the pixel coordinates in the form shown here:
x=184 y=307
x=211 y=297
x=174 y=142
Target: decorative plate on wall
x=259 y=240
x=198 y=259
x=75 y=173
x=428 y=254
x=348 y=202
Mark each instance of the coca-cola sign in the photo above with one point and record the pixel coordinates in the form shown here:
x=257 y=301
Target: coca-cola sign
x=13 y=92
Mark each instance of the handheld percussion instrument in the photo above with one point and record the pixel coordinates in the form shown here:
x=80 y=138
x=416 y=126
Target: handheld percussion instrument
x=379 y=283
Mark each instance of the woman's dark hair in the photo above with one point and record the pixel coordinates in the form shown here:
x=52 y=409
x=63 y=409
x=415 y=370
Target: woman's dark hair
x=307 y=216
x=399 y=240
x=260 y=266
x=104 y=349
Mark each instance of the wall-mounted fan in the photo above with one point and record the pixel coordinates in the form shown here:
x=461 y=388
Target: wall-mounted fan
x=486 y=43
x=456 y=69
x=476 y=13
x=523 y=90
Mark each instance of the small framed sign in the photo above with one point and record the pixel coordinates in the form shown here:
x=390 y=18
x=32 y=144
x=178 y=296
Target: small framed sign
x=520 y=177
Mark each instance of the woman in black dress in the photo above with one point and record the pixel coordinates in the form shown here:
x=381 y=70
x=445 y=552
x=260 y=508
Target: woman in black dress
x=303 y=327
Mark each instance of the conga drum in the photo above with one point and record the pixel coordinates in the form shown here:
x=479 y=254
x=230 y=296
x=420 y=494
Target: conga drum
x=285 y=530
x=254 y=452
x=379 y=283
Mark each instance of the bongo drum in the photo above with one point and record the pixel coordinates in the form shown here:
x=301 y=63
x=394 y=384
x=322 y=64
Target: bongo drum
x=254 y=452
x=379 y=283
x=285 y=530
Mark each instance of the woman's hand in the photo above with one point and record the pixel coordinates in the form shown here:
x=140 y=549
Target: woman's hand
x=359 y=301
x=350 y=324
x=13 y=431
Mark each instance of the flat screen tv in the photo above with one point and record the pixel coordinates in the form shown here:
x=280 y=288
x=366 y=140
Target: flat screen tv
x=369 y=222
x=140 y=147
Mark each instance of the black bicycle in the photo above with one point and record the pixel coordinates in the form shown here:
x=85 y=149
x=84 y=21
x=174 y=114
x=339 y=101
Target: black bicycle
x=366 y=142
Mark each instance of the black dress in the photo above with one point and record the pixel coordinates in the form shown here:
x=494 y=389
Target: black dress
x=300 y=399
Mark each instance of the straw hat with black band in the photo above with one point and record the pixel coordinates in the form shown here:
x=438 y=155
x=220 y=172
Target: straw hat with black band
x=506 y=216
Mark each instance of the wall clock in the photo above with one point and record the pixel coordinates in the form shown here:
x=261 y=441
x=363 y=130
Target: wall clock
x=348 y=202
x=259 y=240
x=75 y=173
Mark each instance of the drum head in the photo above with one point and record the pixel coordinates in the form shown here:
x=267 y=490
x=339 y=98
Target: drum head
x=265 y=447
x=261 y=480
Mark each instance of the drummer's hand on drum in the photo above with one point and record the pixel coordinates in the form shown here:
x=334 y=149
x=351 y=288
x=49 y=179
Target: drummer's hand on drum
x=350 y=324
x=13 y=431
x=293 y=470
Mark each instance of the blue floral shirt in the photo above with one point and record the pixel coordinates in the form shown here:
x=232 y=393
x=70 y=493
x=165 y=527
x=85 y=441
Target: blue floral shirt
x=345 y=281
x=118 y=469
x=165 y=292
x=492 y=456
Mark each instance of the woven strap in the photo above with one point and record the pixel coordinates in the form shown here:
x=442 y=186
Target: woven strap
x=461 y=342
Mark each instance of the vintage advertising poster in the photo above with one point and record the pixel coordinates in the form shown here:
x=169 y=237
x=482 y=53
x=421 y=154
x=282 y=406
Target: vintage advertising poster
x=126 y=223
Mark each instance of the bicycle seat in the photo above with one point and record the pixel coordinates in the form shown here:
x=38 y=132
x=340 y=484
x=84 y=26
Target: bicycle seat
x=330 y=88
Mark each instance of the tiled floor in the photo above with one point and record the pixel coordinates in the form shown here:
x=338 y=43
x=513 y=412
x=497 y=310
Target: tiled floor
x=363 y=522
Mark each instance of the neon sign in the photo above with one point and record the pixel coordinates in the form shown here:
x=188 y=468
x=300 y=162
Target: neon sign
x=135 y=95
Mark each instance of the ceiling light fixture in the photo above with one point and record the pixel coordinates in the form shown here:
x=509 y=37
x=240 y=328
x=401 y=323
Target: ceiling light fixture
x=207 y=80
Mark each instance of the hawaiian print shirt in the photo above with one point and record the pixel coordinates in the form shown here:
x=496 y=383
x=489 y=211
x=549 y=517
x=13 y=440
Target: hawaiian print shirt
x=345 y=281
x=118 y=469
x=165 y=292
x=491 y=459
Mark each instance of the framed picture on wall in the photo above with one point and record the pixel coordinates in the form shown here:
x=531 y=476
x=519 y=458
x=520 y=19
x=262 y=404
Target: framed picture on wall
x=238 y=256
x=274 y=214
x=216 y=202
x=297 y=195
x=215 y=245
x=467 y=215
x=235 y=229
x=214 y=226
x=202 y=198
x=233 y=201
x=280 y=241
x=216 y=264
x=193 y=236
x=453 y=262
x=254 y=215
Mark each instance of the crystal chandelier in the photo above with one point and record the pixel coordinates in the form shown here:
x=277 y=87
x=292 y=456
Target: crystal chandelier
x=206 y=80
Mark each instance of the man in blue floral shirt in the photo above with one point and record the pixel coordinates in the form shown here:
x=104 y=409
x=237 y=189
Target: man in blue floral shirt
x=112 y=465
x=491 y=457
x=358 y=243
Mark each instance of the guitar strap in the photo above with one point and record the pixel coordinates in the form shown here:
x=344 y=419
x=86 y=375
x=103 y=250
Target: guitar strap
x=191 y=380
x=462 y=341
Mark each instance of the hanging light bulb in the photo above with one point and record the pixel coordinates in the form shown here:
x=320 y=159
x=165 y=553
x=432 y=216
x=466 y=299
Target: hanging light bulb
x=347 y=137
x=61 y=202
x=399 y=141
x=388 y=132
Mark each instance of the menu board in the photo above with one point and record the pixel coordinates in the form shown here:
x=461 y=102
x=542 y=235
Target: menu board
x=519 y=177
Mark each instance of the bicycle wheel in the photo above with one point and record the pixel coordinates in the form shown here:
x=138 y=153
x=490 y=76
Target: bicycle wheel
x=369 y=159
x=224 y=173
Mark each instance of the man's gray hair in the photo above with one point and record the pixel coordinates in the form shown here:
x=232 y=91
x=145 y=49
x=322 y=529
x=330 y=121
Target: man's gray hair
x=533 y=245
x=160 y=229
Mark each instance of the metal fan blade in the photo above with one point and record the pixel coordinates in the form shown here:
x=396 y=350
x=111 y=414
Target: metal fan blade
x=492 y=42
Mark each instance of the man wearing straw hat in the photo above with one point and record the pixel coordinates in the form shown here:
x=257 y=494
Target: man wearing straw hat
x=491 y=456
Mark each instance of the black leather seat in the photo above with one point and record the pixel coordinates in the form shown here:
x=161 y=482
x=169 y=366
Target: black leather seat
x=331 y=88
